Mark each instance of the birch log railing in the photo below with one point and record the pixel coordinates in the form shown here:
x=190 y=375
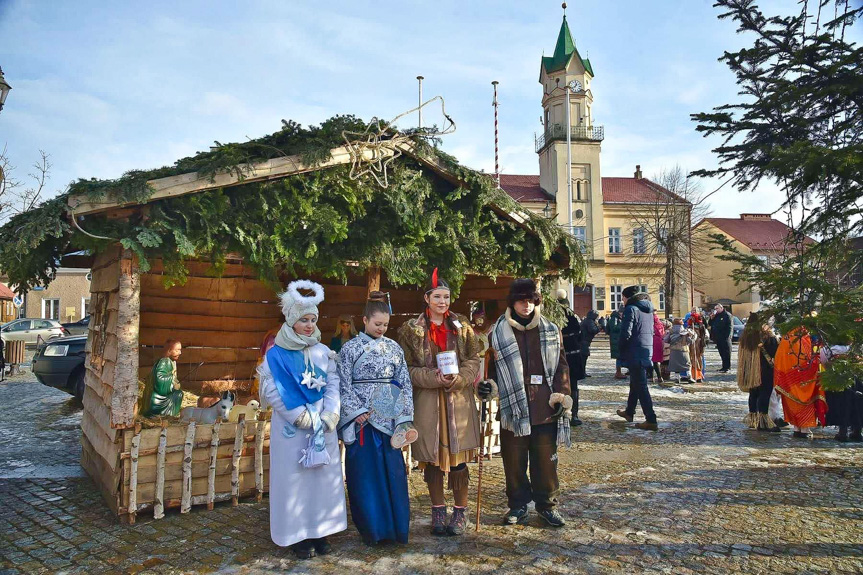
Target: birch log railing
x=189 y=464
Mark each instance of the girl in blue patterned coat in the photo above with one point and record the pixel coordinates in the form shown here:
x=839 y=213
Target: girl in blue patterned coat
x=376 y=422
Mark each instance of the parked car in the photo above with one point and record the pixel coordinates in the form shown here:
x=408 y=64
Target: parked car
x=30 y=330
x=60 y=363
x=736 y=328
x=79 y=327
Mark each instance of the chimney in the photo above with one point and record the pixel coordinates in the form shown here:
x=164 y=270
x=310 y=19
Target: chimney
x=638 y=172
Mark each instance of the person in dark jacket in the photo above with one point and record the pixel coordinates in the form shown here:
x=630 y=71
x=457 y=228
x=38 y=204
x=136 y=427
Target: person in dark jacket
x=612 y=328
x=531 y=377
x=2 y=363
x=636 y=346
x=721 y=329
x=589 y=328
x=573 y=339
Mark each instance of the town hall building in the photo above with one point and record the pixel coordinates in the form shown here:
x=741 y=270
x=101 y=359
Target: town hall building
x=601 y=208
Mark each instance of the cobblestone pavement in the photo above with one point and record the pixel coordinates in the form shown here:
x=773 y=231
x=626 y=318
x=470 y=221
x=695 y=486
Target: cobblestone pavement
x=701 y=495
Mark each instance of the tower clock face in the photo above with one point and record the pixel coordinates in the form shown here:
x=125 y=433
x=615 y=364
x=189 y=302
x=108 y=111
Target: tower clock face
x=575 y=86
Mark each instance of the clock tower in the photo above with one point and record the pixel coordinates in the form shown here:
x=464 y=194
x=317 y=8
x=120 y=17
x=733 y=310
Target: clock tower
x=566 y=79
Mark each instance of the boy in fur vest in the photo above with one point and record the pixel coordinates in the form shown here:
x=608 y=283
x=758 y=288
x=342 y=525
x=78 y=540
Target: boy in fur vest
x=530 y=375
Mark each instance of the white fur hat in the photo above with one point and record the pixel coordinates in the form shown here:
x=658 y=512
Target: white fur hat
x=295 y=305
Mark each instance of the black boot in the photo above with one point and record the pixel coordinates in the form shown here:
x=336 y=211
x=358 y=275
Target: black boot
x=842 y=436
x=322 y=546
x=575 y=421
x=304 y=549
x=856 y=435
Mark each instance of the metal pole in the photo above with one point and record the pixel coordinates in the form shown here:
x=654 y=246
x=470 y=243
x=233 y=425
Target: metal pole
x=569 y=181
x=420 y=111
x=496 y=162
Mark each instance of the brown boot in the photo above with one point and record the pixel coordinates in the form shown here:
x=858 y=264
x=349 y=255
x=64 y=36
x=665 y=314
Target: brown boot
x=622 y=413
x=619 y=374
x=648 y=425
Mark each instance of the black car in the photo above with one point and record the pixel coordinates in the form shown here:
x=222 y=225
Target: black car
x=60 y=363
x=79 y=327
x=736 y=328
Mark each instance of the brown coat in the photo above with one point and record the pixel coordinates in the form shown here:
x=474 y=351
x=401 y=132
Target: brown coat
x=529 y=347
x=463 y=418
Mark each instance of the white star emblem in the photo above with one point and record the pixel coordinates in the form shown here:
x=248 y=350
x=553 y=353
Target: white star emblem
x=312 y=382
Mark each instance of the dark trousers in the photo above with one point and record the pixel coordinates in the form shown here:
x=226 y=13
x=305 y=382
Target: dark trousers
x=638 y=392
x=759 y=398
x=724 y=348
x=574 y=387
x=537 y=452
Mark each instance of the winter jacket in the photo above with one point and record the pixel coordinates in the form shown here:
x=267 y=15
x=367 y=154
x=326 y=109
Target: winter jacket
x=572 y=344
x=530 y=349
x=721 y=326
x=636 y=331
x=658 y=342
x=589 y=329
x=420 y=354
x=612 y=328
x=679 y=339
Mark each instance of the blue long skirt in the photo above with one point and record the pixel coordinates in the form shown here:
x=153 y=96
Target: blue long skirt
x=377 y=487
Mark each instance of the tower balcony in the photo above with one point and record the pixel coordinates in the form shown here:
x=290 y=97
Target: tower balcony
x=557 y=132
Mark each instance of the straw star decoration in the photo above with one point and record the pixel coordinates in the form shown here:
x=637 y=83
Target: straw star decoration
x=370 y=153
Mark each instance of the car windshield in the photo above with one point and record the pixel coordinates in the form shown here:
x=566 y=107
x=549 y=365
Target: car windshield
x=736 y=320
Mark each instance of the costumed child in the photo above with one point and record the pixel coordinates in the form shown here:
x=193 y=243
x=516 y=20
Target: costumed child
x=795 y=379
x=680 y=339
x=445 y=411
x=300 y=380
x=376 y=422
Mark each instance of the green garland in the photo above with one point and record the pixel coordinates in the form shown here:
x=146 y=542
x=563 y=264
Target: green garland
x=309 y=223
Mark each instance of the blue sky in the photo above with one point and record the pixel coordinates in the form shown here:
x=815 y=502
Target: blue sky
x=109 y=87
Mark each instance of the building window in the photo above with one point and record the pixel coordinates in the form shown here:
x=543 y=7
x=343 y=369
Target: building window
x=51 y=309
x=642 y=288
x=661 y=245
x=638 y=245
x=600 y=305
x=85 y=307
x=616 y=297
x=662 y=297
x=614 y=241
x=765 y=260
x=580 y=233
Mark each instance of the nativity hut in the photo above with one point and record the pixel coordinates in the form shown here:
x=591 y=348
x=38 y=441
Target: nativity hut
x=198 y=252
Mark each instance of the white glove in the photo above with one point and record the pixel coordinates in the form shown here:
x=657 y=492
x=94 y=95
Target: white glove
x=304 y=421
x=330 y=419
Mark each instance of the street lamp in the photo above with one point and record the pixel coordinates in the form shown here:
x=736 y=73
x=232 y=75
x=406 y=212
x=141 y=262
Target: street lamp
x=4 y=89
x=546 y=211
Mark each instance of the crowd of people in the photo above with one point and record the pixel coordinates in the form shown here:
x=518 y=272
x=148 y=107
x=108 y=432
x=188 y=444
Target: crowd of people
x=377 y=395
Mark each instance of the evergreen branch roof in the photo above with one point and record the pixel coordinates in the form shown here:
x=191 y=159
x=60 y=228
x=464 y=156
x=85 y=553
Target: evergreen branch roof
x=312 y=217
x=563 y=52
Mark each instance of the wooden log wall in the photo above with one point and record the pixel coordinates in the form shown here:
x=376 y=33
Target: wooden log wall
x=100 y=436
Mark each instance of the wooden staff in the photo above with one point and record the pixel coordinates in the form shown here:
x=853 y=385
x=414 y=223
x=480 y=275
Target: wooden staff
x=483 y=415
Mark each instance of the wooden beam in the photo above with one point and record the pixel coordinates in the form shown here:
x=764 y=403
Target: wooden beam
x=193 y=182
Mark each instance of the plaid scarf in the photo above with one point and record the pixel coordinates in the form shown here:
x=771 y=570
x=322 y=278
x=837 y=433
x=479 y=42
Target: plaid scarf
x=514 y=412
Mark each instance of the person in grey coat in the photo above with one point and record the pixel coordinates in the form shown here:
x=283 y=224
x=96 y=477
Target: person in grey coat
x=679 y=339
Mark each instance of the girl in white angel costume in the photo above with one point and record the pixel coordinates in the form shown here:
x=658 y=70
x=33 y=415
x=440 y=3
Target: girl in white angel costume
x=300 y=380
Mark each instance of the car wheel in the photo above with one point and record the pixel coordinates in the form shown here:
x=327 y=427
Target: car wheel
x=76 y=384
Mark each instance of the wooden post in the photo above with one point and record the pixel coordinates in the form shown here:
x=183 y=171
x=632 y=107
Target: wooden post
x=374 y=282
x=133 y=475
x=211 y=476
x=159 y=503
x=125 y=395
x=260 y=428
x=186 y=501
x=235 y=461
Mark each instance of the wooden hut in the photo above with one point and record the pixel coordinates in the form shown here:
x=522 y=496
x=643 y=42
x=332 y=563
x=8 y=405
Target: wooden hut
x=221 y=313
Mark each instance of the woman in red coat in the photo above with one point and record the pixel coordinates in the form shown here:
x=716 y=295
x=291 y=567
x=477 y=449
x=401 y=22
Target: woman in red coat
x=656 y=358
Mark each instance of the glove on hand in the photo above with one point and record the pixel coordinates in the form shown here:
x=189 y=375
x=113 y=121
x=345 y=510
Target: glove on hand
x=486 y=389
x=562 y=404
x=304 y=421
x=330 y=419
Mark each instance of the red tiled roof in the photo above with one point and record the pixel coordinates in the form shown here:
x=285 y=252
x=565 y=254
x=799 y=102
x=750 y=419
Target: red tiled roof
x=525 y=188
x=757 y=234
x=5 y=292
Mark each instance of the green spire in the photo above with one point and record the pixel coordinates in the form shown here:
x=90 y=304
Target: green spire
x=563 y=51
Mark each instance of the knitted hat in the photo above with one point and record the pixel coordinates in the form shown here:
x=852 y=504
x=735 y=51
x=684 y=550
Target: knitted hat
x=523 y=288
x=630 y=291
x=295 y=305
x=436 y=283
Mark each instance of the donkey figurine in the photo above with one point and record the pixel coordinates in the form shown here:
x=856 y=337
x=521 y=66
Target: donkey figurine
x=219 y=410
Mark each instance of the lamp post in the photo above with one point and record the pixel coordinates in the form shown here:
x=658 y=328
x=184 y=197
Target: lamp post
x=4 y=89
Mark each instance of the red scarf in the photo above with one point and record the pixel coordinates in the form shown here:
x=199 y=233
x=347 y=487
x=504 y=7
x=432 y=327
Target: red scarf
x=438 y=333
